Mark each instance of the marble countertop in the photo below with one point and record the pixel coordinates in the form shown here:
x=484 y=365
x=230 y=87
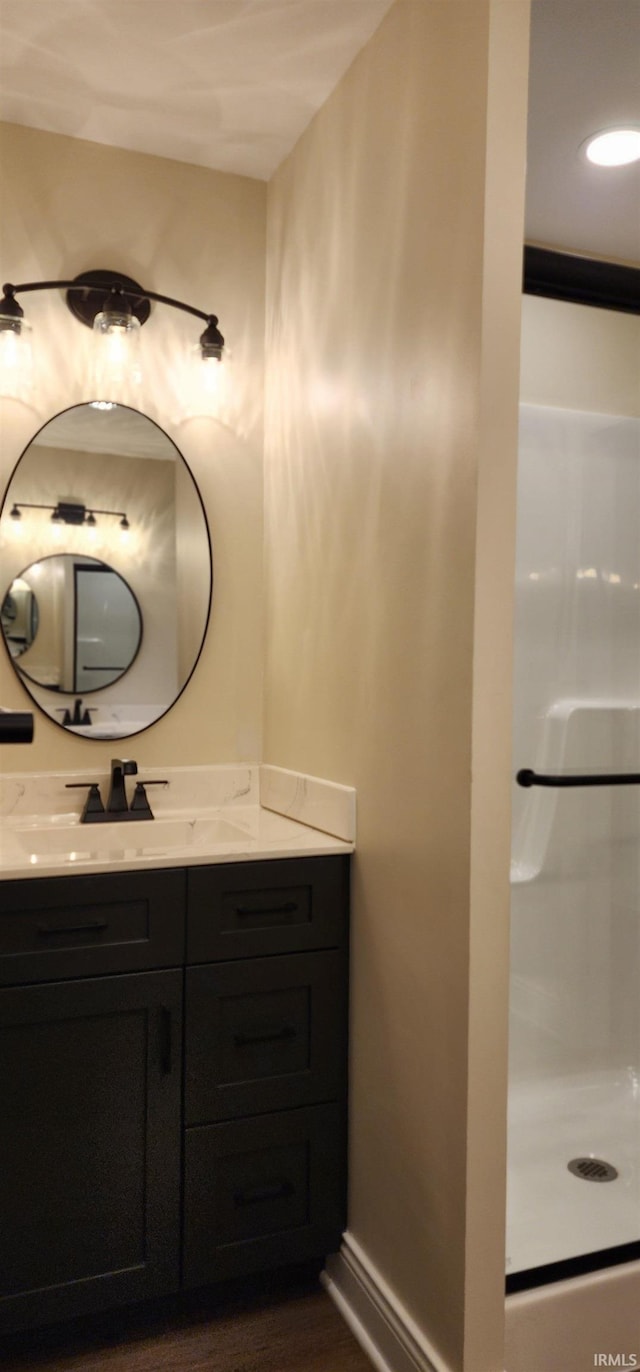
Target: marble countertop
x=205 y=815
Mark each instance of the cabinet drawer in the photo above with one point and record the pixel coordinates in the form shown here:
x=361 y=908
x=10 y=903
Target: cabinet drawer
x=264 y=1034
x=263 y=1192
x=63 y=927
x=279 y=906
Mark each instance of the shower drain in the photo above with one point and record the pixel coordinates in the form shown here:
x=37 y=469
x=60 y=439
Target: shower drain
x=592 y=1169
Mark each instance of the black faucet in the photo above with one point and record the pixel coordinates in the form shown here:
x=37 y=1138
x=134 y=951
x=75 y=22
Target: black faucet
x=117 y=807
x=79 y=715
x=117 y=802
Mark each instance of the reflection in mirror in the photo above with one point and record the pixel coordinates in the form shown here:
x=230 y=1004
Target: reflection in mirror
x=88 y=619
x=99 y=580
x=20 y=617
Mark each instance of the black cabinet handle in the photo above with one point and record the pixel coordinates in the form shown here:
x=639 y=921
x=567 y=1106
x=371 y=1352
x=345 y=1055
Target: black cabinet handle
x=48 y=930
x=277 y=1191
x=285 y=909
x=527 y=777
x=166 y=1040
x=265 y=1036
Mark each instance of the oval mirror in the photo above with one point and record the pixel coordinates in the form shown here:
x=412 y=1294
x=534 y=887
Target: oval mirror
x=105 y=571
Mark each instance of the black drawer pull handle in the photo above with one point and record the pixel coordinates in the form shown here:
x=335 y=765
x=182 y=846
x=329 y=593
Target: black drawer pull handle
x=286 y=909
x=277 y=1191
x=265 y=1036
x=166 y=1039
x=48 y=930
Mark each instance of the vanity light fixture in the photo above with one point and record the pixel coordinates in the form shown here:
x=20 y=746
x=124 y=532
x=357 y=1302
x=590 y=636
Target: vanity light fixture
x=69 y=512
x=115 y=307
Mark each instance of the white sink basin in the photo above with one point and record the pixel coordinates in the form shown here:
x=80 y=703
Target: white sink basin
x=79 y=841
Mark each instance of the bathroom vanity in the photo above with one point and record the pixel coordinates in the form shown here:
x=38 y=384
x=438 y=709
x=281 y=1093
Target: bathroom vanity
x=173 y=1056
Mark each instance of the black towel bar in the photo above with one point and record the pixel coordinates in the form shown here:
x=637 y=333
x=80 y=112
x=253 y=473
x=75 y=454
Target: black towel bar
x=526 y=777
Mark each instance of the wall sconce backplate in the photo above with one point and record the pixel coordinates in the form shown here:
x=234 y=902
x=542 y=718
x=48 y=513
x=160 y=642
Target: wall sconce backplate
x=86 y=304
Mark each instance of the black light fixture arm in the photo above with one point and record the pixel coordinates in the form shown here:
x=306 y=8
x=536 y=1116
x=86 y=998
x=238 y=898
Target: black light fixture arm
x=11 y=291
x=109 y=285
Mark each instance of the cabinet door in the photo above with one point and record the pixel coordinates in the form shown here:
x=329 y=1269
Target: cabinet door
x=89 y=1142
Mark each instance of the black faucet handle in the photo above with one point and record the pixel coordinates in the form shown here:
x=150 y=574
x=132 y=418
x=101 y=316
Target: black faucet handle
x=93 y=804
x=140 y=804
x=66 y=716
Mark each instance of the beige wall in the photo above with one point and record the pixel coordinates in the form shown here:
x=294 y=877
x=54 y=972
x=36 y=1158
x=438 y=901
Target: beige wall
x=579 y=357
x=394 y=258
x=199 y=236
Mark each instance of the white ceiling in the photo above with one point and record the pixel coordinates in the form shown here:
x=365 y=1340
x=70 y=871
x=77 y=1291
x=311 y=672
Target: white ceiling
x=86 y=429
x=228 y=84
x=585 y=76
x=231 y=84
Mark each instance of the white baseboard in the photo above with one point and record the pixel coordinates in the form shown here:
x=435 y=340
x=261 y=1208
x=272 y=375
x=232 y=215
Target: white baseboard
x=377 y=1319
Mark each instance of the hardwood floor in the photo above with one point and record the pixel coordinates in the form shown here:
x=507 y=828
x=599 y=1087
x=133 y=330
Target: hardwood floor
x=280 y=1325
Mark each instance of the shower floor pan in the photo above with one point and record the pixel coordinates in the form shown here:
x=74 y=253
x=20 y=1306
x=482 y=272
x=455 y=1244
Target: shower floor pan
x=553 y=1215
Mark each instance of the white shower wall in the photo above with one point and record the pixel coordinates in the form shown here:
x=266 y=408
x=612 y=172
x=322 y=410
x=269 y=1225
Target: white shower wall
x=576 y=852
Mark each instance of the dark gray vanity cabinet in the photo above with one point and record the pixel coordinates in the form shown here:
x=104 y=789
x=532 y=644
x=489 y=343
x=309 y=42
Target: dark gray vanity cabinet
x=129 y=1167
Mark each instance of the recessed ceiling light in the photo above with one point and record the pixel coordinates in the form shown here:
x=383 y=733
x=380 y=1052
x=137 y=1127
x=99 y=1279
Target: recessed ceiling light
x=613 y=147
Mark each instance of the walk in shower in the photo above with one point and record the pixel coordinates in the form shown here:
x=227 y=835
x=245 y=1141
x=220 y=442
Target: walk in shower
x=574 y=1095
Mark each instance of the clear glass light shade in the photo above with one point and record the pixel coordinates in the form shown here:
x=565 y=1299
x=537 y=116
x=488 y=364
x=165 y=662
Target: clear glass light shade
x=116 y=373
x=209 y=387
x=16 y=361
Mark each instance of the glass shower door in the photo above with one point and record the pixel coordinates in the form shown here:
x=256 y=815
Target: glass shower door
x=574 y=1096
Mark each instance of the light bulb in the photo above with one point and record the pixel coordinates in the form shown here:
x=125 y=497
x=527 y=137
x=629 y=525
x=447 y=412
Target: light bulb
x=116 y=369
x=16 y=360
x=209 y=389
